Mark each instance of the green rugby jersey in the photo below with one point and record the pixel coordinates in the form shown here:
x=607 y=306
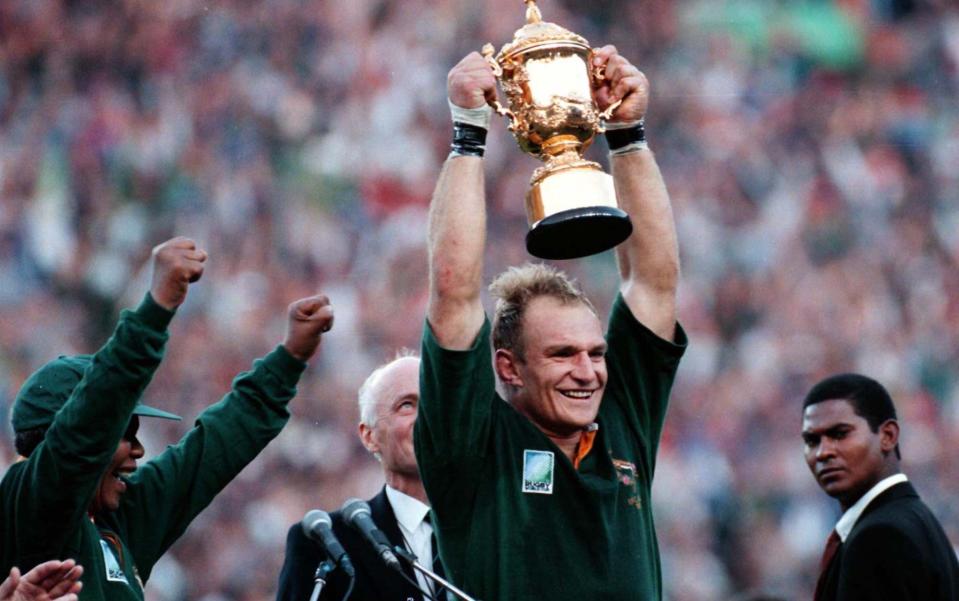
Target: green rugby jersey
x=515 y=520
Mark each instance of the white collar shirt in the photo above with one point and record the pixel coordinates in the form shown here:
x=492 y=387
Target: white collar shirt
x=417 y=532
x=848 y=520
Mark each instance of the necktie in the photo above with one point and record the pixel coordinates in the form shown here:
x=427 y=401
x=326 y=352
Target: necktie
x=437 y=564
x=832 y=545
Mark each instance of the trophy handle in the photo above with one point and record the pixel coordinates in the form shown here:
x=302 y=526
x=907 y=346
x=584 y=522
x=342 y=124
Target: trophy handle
x=598 y=71
x=498 y=74
x=487 y=53
x=605 y=115
x=502 y=110
x=599 y=74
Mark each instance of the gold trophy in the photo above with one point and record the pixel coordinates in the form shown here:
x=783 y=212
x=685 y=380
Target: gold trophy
x=548 y=77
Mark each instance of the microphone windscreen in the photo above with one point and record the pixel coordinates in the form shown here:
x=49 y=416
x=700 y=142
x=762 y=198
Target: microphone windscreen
x=313 y=519
x=354 y=507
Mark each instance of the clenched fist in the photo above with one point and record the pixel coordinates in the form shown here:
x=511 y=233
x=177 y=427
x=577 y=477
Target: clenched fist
x=309 y=319
x=471 y=82
x=177 y=263
x=622 y=81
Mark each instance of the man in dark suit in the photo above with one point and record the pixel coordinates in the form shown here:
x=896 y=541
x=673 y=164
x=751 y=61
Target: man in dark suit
x=388 y=404
x=887 y=544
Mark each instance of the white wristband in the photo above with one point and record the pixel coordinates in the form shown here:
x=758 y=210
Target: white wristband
x=480 y=117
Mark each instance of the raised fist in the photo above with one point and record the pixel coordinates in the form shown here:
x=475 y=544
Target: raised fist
x=622 y=81
x=309 y=319
x=177 y=263
x=471 y=82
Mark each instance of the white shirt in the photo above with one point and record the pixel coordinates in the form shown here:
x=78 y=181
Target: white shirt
x=410 y=514
x=845 y=524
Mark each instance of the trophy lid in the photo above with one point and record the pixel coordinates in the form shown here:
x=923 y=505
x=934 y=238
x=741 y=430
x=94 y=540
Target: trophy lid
x=538 y=33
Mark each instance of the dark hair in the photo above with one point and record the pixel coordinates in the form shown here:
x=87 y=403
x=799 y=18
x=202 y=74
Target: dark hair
x=868 y=398
x=27 y=440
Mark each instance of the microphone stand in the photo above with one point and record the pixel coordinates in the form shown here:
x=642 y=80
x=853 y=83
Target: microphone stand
x=322 y=571
x=429 y=574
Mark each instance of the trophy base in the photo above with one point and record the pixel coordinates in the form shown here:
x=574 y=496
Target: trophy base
x=572 y=211
x=578 y=232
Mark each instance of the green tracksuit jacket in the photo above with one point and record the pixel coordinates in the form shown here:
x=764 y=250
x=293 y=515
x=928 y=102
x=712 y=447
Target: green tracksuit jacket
x=44 y=499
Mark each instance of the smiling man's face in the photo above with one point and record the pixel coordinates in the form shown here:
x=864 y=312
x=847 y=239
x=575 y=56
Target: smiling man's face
x=562 y=370
x=845 y=456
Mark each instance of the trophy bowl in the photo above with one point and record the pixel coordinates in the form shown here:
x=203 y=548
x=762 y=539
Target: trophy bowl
x=548 y=78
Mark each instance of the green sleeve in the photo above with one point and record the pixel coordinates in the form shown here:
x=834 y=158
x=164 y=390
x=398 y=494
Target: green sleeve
x=452 y=429
x=167 y=492
x=642 y=367
x=62 y=473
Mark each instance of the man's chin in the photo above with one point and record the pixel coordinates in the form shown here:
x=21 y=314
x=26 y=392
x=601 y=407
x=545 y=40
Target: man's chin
x=577 y=421
x=835 y=489
x=108 y=502
x=582 y=417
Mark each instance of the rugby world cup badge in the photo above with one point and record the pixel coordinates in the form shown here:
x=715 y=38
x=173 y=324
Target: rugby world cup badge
x=538 y=472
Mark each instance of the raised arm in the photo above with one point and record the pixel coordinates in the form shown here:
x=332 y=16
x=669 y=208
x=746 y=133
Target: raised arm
x=170 y=490
x=649 y=258
x=58 y=481
x=457 y=227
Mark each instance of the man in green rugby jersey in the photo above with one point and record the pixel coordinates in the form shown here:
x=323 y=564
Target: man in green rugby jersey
x=547 y=495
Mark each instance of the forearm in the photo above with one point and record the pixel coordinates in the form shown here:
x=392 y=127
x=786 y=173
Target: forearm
x=649 y=258
x=457 y=240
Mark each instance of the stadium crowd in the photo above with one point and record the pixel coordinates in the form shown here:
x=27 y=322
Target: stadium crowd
x=811 y=148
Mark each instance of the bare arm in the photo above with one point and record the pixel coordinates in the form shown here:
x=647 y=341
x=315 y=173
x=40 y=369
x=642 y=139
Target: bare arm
x=649 y=258
x=457 y=226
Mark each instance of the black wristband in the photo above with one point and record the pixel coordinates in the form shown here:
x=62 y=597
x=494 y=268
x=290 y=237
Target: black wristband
x=621 y=138
x=468 y=139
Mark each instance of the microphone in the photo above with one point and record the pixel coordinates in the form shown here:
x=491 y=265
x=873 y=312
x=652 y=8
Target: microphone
x=318 y=527
x=357 y=514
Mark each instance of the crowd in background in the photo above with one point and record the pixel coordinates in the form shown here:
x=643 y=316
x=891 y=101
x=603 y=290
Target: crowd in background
x=811 y=149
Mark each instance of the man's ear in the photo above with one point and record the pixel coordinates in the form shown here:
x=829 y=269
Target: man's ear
x=366 y=437
x=506 y=368
x=888 y=435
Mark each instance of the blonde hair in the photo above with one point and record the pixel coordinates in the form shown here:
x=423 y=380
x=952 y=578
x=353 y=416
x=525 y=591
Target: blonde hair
x=516 y=287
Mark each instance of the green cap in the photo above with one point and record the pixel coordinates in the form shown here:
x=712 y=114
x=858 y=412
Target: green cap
x=47 y=390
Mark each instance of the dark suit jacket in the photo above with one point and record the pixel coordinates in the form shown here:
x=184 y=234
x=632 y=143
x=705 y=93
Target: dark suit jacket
x=374 y=580
x=897 y=551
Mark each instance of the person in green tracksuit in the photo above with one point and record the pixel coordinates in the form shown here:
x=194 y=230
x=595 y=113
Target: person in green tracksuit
x=544 y=492
x=77 y=491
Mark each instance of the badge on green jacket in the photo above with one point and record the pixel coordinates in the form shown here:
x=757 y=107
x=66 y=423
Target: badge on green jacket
x=112 y=564
x=538 y=472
